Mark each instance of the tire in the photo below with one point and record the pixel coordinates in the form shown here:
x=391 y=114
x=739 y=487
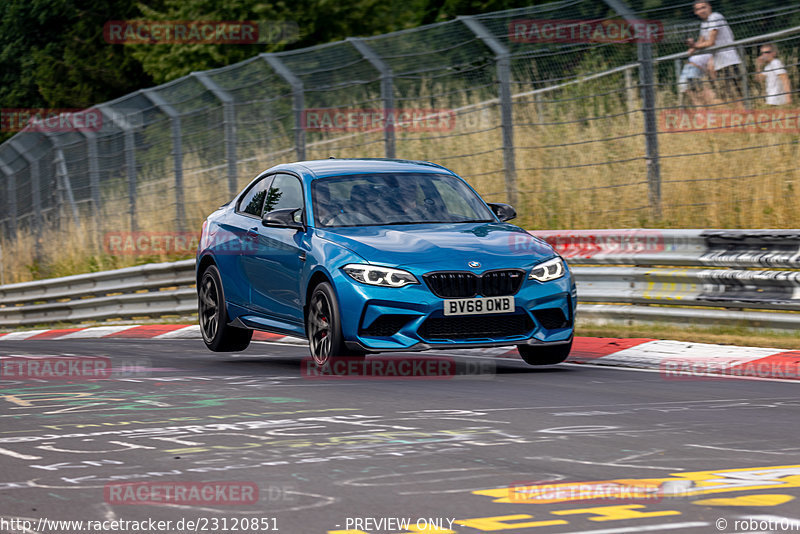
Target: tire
x=544 y=355
x=212 y=314
x=324 y=327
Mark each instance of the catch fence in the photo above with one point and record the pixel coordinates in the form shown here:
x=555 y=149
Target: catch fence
x=576 y=132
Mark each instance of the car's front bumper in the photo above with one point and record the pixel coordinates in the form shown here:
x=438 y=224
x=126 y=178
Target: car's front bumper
x=370 y=315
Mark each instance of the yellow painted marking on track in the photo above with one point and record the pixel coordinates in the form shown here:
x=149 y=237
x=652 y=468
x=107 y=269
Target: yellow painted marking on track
x=412 y=530
x=683 y=484
x=430 y=529
x=497 y=523
x=616 y=513
x=13 y=399
x=770 y=499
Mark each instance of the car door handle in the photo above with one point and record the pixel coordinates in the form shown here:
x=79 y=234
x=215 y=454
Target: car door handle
x=252 y=233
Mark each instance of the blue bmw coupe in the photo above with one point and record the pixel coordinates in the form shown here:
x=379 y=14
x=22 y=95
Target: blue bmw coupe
x=371 y=255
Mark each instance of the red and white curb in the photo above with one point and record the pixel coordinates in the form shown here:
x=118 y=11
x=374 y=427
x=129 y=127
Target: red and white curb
x=153 y=331
x=674 y=359
x=681 y=360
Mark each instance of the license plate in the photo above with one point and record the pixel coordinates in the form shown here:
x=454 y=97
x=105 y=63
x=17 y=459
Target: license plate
x=478 y=306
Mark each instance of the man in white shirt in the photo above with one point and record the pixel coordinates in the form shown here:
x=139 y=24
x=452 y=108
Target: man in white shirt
x=774 y=76
x=714 y=31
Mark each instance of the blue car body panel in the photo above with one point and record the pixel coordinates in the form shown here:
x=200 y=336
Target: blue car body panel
x=267 y=272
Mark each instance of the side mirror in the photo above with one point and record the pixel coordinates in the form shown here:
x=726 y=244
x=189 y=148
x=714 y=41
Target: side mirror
x=504 y=212
x=284 y=218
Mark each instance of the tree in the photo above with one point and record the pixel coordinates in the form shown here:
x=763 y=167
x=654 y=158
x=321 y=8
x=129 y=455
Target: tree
x=52 y=54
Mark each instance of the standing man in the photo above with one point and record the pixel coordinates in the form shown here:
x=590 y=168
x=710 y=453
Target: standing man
x=714 y=31
x=774 y=76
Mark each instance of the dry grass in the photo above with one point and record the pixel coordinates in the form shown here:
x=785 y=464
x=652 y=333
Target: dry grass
x=709 y=180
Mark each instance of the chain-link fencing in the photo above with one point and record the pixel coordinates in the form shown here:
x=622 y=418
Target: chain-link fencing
x=574 y=111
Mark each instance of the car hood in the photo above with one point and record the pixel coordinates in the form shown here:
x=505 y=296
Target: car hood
x=451 y=246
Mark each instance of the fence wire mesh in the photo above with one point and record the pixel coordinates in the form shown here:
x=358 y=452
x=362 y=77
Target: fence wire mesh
x=557 y=125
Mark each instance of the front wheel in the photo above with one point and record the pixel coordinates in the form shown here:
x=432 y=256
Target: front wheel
x=544 y=355
x=213 y=316
x=324 y=326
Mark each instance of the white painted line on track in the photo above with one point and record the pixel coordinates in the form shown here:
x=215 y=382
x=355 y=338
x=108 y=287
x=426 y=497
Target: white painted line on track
x=96 y=332
x=13 y=454
x=644 y=528
x=712 y=377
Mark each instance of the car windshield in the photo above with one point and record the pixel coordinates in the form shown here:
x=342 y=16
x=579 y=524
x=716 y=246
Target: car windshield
x=402 y=198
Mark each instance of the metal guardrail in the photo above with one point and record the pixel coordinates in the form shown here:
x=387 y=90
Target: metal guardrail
x=710 y=277
x=154 y=290
x=731 y=277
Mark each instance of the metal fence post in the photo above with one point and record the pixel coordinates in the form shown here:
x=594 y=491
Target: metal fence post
x=503 y=60
x=298 y=101
x=647 y=80
x=745 y=81
x=650 y=128
x=177 y=153
x=36 y=192
x=130 y=157
x=94 y=170
x=387 y=92
x=62 y=176
x=229 y=122
x=11 y=198
x=62 y=173
x=94 y=183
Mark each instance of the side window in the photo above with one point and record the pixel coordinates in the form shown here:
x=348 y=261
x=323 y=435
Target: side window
x=286 y=192
x=253 y=200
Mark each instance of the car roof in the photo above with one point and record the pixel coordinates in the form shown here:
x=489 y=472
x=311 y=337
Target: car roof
x=322 y=168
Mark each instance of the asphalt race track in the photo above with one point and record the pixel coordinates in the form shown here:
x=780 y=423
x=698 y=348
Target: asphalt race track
x=256 y=442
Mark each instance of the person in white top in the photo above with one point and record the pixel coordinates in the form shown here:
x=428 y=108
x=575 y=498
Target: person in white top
x=691 y=81
x=714 y=31
x=772 y=73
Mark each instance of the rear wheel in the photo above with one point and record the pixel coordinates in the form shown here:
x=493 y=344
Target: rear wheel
x=544 y=355
x=213 y=316
x=324 y=326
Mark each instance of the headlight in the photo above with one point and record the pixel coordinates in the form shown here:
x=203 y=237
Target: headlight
x=379 y=276
x=549 y=270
